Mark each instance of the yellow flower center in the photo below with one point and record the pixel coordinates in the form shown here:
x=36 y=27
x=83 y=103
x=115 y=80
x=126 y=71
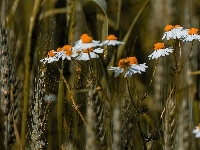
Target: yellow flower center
x=193 y=31
x=86 y=39
x=127 y=62
x=111 y=37
x=168 y=27
x=158 y=46
x=51 y=53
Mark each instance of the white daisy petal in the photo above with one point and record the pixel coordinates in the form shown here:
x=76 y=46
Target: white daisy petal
x=79 y=45
x=111 y=42
x=51 y=59
x=85 y=56
x=135 y=68
x=168 y=35
x=93 y=55
x=196 y=131
x=176 y=33
x=160 y=52
x=117 y=70
x=104 y=42
x=98 y=50
x=190 y=38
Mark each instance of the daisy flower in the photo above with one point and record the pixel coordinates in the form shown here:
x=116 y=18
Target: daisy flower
x=85 y=42
x=86 y=54
x=174 y=32
x=160 y=50
x=196 y=131
x=51 y=57
x=168 y=32
x=111 y=40
x=191 y=35
x=128 y=66
x=179 y=32
x=66 y=52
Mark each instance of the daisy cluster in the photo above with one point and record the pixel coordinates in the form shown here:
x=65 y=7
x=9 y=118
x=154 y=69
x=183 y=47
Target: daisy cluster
x=177 y=32
x=174 y=32
x=84 y=49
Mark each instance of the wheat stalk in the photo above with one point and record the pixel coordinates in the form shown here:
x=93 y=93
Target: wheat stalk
x=169 y=126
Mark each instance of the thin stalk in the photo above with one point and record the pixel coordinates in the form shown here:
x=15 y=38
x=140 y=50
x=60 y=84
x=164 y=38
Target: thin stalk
x=138 y=122
x=60 y=107
x=72 y=98
x=126 y=37
x=172 y=91
x=135 y=89
x=27 y=72
x=154 y=71
x=18 y=140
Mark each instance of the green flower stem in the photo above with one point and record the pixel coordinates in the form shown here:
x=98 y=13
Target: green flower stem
x=60 y=107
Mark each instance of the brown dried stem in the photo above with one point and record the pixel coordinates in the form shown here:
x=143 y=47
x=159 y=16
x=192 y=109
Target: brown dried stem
x=72 y=98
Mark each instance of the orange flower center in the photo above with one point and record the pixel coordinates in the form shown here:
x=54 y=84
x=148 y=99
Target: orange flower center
x=68 y=52
x=127 y=62
x=84 y=35
x=87 y=50
x=111 y=37
x=59 y=49
x=132 y=60
x=121 y=63
x=51 y=53
x=168 y=27
x=86 y=39
x=66 y=47
x=158 y=46
x=193 y=31
x=176 y=26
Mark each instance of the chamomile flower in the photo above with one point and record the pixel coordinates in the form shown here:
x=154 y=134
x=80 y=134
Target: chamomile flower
x=89 y=53
x=111 y=40
x=160 y=50
x=51 y=57
x=174 y=32
x=85 y=42
x=196 y=131
x=168 y=32
x=129 y=66
x=66 y=52
x=191 y=35
x=179 y=32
